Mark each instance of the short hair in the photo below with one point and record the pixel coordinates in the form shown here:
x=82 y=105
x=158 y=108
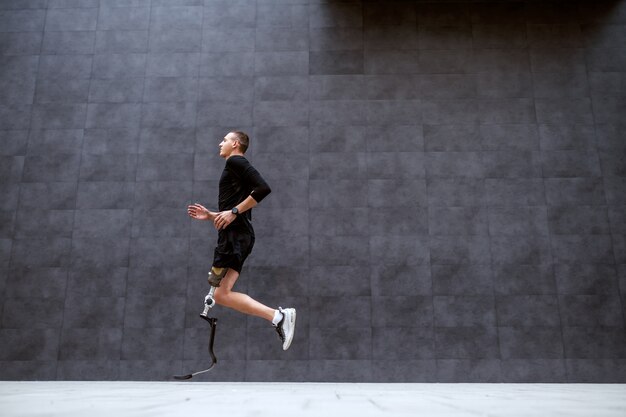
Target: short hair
x=243 y=139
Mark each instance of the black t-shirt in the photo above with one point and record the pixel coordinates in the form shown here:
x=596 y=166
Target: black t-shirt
x=238 y=181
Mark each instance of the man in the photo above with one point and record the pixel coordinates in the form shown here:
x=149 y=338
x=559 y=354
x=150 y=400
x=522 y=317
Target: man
x=241 y=188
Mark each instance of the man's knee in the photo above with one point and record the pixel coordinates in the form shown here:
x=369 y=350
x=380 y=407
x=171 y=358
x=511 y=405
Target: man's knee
x=221 y=294
x=216 y=275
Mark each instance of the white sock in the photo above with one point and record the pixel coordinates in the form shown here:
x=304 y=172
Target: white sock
x=278 y=316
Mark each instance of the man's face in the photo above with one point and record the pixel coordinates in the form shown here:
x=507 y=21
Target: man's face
x=228 y=145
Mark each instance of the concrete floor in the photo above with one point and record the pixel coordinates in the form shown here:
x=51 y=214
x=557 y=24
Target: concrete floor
x=154 y=399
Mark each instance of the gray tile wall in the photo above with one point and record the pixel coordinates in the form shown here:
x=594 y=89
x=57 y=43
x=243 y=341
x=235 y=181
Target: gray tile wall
x=449 y=188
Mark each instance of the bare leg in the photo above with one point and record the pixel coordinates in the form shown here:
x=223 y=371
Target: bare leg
x=239 y=301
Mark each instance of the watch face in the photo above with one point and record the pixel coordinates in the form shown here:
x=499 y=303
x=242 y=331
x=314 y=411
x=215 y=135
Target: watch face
x=234 y=210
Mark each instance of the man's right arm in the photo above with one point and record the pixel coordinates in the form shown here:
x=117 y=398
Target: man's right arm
x=199 y=212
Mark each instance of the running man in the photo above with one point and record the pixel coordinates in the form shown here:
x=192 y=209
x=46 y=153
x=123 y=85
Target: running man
x=241 y=188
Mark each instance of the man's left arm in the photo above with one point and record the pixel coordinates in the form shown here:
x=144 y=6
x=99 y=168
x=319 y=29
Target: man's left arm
x=224 y=218
x=260 y=190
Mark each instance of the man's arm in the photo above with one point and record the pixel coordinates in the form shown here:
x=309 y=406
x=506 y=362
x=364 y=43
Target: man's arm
x=250 y=176
x=224 y=218
x=246 y=204
x=199 y=212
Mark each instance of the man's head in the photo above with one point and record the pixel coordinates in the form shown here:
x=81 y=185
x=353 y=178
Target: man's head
x=234 y=143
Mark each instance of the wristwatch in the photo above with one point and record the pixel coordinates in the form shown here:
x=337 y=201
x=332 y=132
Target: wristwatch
x=235 y=211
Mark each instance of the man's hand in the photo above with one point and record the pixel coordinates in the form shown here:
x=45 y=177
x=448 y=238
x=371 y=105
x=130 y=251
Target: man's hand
x=223 y=219
x=199 y=212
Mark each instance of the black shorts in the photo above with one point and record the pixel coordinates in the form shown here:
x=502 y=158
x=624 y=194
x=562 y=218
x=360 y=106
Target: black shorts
x=233 y=247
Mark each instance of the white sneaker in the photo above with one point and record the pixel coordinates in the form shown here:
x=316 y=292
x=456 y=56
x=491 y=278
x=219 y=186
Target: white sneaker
x=286 y=326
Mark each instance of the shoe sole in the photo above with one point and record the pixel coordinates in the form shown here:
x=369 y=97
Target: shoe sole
x=289 y=338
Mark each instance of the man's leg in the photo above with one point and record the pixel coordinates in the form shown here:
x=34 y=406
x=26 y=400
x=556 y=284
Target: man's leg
x=239 y=301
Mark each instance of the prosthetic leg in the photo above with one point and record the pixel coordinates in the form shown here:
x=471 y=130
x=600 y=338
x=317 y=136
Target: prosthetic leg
x=215 y=277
